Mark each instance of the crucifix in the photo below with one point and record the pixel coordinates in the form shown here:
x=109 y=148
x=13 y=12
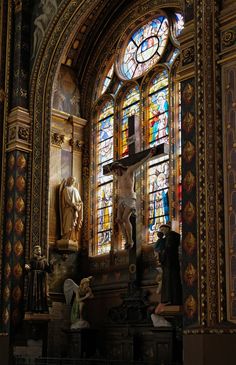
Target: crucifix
x=124 y=170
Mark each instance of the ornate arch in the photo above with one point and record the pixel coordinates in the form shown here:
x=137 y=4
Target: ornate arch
x=69 y=18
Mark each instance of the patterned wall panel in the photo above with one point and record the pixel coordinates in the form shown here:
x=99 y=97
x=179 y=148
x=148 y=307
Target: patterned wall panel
x=5 y=14
x=189 y=212
x=230 y=182
x=14 y=239
x=20 y=64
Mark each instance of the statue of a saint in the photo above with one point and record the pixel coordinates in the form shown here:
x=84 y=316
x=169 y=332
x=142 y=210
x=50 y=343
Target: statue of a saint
x=37 y=294
x=71 y=213
x=82 y=292
x=167 y=249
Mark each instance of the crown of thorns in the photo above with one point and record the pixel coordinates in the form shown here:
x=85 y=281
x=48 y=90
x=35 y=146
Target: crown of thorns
x=118 y=165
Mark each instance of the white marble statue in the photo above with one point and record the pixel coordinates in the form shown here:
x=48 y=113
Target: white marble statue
x=71 y=210
x=82 y=293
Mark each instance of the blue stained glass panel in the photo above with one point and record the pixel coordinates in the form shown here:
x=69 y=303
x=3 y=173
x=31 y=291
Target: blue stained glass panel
x=179 y=25
x=101 y=179
x=108 y=78
x=105 y=128
x=105 y=150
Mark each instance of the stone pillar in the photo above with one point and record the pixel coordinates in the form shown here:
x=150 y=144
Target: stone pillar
x=16 y=166
x=5 y=29
x=208 y=338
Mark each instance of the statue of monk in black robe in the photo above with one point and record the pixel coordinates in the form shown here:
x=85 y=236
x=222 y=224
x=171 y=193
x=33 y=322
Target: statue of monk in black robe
x=167 y=247
x=37 y=295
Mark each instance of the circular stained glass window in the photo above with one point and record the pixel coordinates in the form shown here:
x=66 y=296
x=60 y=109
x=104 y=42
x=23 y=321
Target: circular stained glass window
x=144 y=48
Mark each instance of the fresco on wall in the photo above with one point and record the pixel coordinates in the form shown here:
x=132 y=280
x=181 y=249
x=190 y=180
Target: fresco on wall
x=44 y=13
x=66 y=95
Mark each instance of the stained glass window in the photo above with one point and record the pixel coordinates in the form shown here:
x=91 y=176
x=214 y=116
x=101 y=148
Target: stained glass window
x=104 y=137
x=145 y=48
x=179 y=24
x=130 y=107
x=108 y=78
x=158 y=109
x=158 y=172
x=148 y=53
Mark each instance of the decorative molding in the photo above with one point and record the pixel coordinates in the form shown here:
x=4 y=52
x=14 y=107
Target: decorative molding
x=228 y=38
x=226 y=328
x=188 y=56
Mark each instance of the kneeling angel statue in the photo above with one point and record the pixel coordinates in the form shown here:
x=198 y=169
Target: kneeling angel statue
x=81 y=293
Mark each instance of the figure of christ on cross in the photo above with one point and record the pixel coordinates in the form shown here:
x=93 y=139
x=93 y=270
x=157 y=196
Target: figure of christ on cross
x=124 y=170
x=126 y=195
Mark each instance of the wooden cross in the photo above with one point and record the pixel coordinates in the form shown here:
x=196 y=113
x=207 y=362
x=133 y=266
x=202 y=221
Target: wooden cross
x=135 y=155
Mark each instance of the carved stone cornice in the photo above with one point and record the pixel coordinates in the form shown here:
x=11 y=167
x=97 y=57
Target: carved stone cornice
x=77 y=121
x=19 y=130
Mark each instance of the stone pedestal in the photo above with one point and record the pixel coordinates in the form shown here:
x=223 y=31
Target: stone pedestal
x=82 y=343
x=209 y=348
x=5 y=349
x=139 y=343
x=67 y=245
x=36 y=333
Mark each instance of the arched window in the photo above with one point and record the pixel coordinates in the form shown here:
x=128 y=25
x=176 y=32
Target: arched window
x=104 y=154
x=140 y=81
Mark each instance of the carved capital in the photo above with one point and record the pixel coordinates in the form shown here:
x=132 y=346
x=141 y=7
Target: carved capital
x=57 y=139
x=19 y=129
x=76 y=144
